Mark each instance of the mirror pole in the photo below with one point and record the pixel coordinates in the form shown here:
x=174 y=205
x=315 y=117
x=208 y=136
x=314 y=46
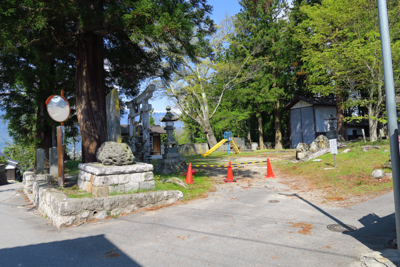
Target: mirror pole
x=63 y=150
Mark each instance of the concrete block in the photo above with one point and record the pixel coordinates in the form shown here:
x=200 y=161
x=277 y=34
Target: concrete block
x=100 y=215
x=136 y=177
x=110 y=203
x=100 y=191
x=123 y=178
x=148 y=176
x=93 y=204
x=100 y=169
x=118 y=189
x=70 y=207
x=111 y=179
x=100 y=180
x=124 y=200
x=147 y=185
x=131 y=187
x=89 y=187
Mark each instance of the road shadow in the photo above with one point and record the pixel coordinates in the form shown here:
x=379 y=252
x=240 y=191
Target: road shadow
x=376 y=233
x=10 y=190
x=86 y=251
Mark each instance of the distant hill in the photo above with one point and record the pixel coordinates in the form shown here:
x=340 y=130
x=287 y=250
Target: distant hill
x=4 y=136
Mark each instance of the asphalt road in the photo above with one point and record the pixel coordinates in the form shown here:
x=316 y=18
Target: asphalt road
x=264 y=224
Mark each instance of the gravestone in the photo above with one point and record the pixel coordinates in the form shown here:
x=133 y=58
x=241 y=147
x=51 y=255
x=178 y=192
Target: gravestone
x=113 y=117
x=53 y=161
x=40 y=160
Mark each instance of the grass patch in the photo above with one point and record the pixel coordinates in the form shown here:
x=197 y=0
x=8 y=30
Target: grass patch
x=352 y=177
x=71 y=167
x=202 y=185
x=74 y=192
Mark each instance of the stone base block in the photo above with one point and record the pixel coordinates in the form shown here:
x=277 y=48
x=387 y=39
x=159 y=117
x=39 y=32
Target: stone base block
x=100 y=191
x=117 y=179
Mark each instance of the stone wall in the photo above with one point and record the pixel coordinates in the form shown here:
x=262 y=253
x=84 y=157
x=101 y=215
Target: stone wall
x=193 y=149
x=30 y=177
x=63 y=211
x=3 y=174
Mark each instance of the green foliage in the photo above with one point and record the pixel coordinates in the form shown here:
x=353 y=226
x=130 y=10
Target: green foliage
x=151 y=121
x=199 y=86
x=24 y=154
x=71 y=167
x=140 y=40
x=341 y=41
x=262 y=26
x=3 y=160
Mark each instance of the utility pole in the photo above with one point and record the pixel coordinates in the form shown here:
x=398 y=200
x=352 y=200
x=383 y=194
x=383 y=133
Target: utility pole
x=391 y=108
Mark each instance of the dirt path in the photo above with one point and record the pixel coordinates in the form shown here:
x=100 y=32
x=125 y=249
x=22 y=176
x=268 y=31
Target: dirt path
x=253 y=175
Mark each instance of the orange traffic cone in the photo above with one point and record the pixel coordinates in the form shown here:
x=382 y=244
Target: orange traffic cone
x=189 y=178
x=229 y=176
x=270 y=173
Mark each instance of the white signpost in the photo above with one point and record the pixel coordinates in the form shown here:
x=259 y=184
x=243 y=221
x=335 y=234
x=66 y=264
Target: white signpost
x=333 y=148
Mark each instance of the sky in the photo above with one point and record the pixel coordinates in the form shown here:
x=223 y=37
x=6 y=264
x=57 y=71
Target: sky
x=221 y=8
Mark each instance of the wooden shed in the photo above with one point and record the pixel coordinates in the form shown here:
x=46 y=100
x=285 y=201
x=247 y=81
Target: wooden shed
x=307 y=118
x=12 y=170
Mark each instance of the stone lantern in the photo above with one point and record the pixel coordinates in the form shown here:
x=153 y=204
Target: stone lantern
x=332 y=133
x=171 y=161
x=170 y=145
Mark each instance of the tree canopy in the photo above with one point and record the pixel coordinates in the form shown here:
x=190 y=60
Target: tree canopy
x=132 y=38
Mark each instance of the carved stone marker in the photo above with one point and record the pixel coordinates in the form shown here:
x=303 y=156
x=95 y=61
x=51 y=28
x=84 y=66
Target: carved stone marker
x=113 y=117
x=53 y=161
x=40 y=160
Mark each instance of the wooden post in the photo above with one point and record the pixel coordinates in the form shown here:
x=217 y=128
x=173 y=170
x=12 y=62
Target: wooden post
x=63 y=149
x=60 y=157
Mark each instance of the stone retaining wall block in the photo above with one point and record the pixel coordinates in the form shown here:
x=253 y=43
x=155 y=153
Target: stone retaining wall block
x=100 y=191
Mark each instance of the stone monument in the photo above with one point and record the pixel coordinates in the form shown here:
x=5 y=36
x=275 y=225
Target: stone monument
x=115 y=172
x=113 y=117
x=171 y=161
x=53 y=161
x=40 y=160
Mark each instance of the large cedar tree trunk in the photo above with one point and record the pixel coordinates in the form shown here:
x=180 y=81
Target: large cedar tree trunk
x=278 y=126
x=90 y=94
x=260 y=130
